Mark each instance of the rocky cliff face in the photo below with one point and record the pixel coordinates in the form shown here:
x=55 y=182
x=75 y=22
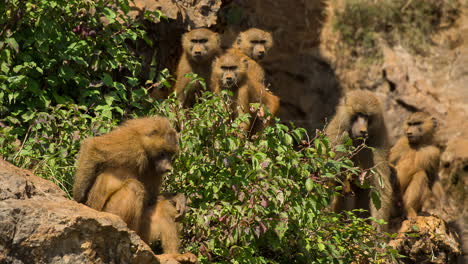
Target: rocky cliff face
x=39 y=224
x=436 y=82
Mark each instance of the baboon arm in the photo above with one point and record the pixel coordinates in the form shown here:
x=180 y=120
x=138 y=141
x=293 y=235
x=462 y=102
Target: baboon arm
x=86 y=171
x=416 y=193
x=182 y=81
x=397 y=150
x=431 y=157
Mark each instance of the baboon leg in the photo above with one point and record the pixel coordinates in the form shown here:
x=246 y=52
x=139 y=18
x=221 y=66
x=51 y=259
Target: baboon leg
x=415 y=193
x=127 y=202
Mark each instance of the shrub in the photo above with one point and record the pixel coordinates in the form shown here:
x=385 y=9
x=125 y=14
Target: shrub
x=58 y=52
x=263 y=200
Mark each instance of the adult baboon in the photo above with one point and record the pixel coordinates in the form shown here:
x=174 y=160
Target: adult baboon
x=121 y=173
x=360 y=118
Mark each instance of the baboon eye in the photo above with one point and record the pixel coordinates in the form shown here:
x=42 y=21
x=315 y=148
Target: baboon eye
x=262 y=41
x=162 y=155
x=417 y=123
x=194 y=40
x=152 y=133
x=446 y=165
x=225 y=68
x=254 y=41
x=203 y=41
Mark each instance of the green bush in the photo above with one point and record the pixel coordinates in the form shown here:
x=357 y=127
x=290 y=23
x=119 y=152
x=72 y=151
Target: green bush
x=263 y=200
x=410 y=23
x=58 y=52
x=64 y=77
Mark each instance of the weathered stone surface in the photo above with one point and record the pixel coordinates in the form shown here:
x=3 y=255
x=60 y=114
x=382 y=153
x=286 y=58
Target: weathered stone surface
x=454 y=177
x=304 y=81
x=38 y=224
x=426 y=239
x=436 y=83
x=193 y=14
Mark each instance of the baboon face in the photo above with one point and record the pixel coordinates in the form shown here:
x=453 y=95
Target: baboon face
x=255 y=43
x=159 y=141
x=419 y=126
x=230 y=69
x=360 y=125
x=201 y=44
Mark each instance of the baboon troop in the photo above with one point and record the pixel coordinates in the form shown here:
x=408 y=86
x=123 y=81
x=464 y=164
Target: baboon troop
x=416 y=161
x=121 y=173
x=244 y=76
x=360 y=117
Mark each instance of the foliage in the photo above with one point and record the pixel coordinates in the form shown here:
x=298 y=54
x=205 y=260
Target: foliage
x=262 y=200
x=64 y=76
x=410 y=23
x=59 y=52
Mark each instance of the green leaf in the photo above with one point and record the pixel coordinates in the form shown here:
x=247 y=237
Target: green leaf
x=13 y=44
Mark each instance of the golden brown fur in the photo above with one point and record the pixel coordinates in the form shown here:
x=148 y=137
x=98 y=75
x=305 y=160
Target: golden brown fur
x=230 y=73
x=416 y=161
x=255 y=43
x=121 y=173
x=364 y=105
x=200 y=46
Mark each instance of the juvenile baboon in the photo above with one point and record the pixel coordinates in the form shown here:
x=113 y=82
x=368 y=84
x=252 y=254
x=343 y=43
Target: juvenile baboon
x=416 y=161
x=255 y=43
x=200 y=46
x=360 y=118
x=121 y=173
x=230 y=73
x=158 y=221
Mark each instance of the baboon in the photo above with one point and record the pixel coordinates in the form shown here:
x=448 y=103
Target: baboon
x=416 y=161
x=121 y=173
x=230 y=73
x=255 y=43
x=200 y=46
x=360 y=117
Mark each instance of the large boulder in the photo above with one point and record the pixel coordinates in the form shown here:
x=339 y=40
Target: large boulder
x=39 y=224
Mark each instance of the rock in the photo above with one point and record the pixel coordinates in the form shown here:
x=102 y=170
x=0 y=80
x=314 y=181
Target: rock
x=435 y=82
x=193 y=14
x=454 y=177
x=38 y=224
x=304 y=80
x=426 y=239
